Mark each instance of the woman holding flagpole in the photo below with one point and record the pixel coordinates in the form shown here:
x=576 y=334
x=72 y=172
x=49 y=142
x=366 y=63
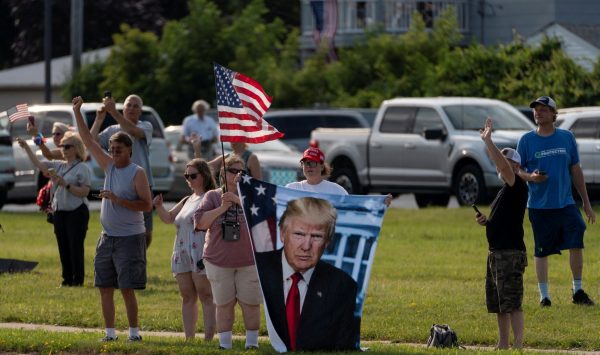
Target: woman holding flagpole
x=228 y=256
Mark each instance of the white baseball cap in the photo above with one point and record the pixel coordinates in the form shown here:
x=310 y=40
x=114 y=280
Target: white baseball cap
x=512 y=154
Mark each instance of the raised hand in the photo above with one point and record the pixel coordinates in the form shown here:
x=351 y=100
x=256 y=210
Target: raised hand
x=486 y=132
x=77 y=102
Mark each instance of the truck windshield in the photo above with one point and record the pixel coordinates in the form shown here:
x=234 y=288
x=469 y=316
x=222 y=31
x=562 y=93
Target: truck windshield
x=472 y=117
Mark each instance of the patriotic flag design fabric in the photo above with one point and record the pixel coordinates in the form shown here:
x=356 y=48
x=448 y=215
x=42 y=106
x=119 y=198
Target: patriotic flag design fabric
x=19 y=112
x=356 y=233
x=241 y=104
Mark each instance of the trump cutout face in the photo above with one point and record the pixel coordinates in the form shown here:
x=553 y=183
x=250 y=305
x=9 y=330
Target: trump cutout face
x=306 y=228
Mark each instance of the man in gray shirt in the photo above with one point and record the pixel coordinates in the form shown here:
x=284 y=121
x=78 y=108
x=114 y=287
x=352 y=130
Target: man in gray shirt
x=140 y=131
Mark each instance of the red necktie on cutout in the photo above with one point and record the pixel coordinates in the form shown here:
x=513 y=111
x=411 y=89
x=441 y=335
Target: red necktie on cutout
x=292 y=309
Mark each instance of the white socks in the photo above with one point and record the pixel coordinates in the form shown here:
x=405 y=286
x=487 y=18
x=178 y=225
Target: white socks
x=576 y=285
x=251 y=338
x=134 y=332
x=225 y=340
x=111 y=332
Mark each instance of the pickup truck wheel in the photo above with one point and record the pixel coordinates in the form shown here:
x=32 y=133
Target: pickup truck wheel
x=346 y=178
x=469 y=186
x=425 y=200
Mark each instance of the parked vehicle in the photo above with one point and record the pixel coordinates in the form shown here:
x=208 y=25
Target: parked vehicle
x=297 y=124
x=427 y=146
x=279 y=162
x=7 y=161
x=584 y=122
x=527 y=112
x=29 y=179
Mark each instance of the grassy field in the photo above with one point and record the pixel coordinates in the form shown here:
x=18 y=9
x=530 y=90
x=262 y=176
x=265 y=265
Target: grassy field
x=429 y=268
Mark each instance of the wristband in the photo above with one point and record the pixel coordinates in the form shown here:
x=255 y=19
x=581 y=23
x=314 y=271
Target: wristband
x=38 y=139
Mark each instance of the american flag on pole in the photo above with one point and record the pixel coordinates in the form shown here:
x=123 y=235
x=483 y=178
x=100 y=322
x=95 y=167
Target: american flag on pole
x=241 y=104
x=18 y=112
x=325 y=14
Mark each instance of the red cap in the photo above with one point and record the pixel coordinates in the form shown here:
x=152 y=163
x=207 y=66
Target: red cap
x=314 y=154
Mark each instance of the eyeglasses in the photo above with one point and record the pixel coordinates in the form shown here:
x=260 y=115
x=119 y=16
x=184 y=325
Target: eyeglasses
x=234 y=170
x=190 y=176
x=309 y=163
x=67 y=146
x=57 y=134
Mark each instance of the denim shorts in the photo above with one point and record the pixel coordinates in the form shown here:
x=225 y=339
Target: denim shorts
x=504 y=280
x=556 y=229
x=120 y=262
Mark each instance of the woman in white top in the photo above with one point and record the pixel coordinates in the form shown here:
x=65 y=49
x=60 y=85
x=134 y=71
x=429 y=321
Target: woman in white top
x=316 y=171
x=186 y=261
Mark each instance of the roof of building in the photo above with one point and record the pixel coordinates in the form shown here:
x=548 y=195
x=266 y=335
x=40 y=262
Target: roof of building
x=33 y=75
x=590 y=33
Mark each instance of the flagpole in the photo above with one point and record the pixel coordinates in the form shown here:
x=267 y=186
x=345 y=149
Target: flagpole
x=223 y=165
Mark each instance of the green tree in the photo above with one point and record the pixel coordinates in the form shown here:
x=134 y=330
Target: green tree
x=130 y=68
x=85 y=83
x=185 y=71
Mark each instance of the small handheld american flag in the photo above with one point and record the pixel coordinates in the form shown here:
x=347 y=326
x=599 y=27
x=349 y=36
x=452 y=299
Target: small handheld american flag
x=19 y=112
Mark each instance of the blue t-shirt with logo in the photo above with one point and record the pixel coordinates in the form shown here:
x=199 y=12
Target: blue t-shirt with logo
x=554 y=154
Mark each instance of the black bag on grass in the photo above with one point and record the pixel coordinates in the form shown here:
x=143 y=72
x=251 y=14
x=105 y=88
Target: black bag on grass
x=442 y=336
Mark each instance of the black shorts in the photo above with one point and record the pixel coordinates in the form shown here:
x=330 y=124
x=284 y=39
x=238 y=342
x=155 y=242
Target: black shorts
x=504 y=280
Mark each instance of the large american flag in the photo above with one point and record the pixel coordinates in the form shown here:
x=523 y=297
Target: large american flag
x=352 y=249
x=19 y=112
x=241 y=104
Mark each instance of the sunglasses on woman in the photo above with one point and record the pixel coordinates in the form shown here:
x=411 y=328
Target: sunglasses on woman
x=190 y=176
x=66 y=146
x=234 y=170
x=309 y=163
x=56 y=134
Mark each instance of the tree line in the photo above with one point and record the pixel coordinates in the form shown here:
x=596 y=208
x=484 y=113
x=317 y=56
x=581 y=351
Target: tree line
x=172 y=70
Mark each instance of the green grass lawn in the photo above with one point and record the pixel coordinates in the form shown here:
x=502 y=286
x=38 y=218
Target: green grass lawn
x=429 y=268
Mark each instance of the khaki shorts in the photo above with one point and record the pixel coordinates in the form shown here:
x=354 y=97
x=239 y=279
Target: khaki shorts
x=229 y=284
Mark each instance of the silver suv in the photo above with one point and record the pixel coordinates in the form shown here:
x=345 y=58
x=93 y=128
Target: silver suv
x=29 y=179
x=7 y=161
x=584 y=122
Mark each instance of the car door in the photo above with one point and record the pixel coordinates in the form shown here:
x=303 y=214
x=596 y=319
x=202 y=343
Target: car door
x=425 y=161
x=585 y=130
x=387 y=147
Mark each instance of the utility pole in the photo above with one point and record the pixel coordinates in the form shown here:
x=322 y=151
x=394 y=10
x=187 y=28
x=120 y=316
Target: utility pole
x=76 y=34
x=48 y=51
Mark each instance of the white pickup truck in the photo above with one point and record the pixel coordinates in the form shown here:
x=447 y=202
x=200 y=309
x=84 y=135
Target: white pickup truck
x=427 y=146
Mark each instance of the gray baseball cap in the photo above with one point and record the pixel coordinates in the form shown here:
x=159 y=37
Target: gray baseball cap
x=544 y=100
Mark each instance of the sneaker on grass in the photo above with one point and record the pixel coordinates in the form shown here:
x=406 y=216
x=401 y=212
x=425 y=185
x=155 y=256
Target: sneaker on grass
x=545 y=302
x=107 y=338
x=580 y=297
x=134 y=338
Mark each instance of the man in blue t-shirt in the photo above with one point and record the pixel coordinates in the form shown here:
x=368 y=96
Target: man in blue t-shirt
x=550 y=161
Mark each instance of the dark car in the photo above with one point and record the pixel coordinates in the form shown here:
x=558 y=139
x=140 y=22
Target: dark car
x=527 y=112
x=298 y=124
